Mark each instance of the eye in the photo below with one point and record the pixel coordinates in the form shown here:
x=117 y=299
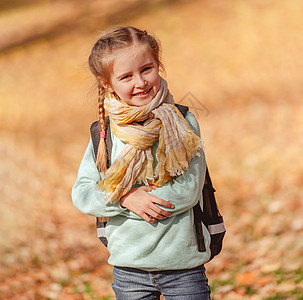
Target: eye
x=125 y=77
x=146 y=69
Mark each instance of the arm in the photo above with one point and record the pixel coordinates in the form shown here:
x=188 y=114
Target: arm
x=85 y=194
x=89 y=200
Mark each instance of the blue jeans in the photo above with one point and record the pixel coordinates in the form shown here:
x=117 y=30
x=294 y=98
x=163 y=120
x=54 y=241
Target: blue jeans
x=135 y=284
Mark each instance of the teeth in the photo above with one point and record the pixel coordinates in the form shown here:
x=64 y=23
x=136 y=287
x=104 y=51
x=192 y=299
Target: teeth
x=143 y=93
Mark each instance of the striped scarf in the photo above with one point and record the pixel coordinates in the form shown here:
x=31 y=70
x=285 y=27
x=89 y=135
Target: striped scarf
x=161 y=121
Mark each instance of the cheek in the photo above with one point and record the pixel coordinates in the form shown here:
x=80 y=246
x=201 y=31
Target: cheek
x=124 y=90
x=154 y=79
x=157 y=82
x=127 y=88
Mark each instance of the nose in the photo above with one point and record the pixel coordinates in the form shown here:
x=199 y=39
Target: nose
x=140 y=82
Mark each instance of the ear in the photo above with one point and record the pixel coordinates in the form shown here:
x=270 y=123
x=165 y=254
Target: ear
x=105 y=84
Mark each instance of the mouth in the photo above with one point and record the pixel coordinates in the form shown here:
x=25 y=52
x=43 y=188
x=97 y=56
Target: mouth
x=142 y=93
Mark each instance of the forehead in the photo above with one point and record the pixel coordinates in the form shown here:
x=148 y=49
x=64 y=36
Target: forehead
x=131 y=58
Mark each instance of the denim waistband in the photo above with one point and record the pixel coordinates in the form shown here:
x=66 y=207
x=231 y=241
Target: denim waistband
x=134 y=270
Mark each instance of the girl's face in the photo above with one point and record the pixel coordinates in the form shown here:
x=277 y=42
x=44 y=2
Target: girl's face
x=135 y=75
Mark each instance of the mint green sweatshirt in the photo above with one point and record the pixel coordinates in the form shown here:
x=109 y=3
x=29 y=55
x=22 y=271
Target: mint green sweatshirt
x=168 y=244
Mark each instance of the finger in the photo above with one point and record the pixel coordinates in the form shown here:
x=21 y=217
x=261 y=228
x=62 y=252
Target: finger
x=158 y=213
x=155 y=215
x=148 y=218
x=160 y=201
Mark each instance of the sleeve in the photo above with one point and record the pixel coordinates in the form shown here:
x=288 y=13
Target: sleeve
x=85 y=195
x=185 y=191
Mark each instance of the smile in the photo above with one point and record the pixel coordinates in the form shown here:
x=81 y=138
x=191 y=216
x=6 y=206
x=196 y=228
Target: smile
x=142 y=93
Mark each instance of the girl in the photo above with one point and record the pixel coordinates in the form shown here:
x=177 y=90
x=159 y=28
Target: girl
x=155 y=179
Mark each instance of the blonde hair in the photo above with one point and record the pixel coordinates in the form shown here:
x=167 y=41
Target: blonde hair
x=100 y=62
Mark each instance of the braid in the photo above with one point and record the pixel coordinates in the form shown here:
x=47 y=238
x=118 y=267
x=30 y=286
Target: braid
x=102 y=153
x=101 y=96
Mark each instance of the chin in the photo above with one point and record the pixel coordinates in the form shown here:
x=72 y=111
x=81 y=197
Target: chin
x=139 y=102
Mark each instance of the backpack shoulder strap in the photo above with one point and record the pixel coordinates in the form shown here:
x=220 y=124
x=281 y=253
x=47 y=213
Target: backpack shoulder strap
x=183 y=109
x=95 y=135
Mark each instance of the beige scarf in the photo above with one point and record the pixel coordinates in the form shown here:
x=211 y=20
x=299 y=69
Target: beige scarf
x=163 y=122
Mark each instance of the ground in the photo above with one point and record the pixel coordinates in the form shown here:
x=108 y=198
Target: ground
x=238 y=65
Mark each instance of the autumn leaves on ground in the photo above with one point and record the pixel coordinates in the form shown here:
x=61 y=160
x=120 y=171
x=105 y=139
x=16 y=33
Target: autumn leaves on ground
x=238 y=64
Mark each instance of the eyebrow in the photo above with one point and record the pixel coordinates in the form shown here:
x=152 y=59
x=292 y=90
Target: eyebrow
x=127 y=73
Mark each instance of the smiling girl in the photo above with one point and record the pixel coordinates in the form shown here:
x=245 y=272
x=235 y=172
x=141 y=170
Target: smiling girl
x=156 y=176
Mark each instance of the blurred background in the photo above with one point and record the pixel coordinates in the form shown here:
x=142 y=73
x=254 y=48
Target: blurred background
x=237 y=64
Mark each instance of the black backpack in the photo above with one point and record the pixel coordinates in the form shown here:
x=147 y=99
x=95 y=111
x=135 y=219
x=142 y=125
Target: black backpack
x=210 y=215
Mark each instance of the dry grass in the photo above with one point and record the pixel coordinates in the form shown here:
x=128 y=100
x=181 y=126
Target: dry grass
x=243 y=62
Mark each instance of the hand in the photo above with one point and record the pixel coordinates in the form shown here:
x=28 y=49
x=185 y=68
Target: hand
x=139 y=201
